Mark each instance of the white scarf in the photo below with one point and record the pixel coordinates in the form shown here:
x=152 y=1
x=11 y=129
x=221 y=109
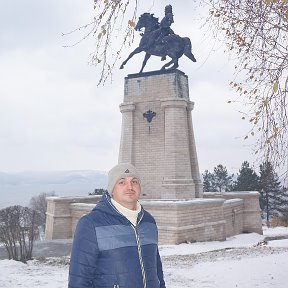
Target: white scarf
x=131 y=215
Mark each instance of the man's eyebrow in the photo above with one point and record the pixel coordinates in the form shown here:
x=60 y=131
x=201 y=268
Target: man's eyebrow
x=124 y=178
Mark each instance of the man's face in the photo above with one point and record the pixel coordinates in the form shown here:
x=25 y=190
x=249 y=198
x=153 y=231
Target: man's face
x=170 y=18
x=126 y=192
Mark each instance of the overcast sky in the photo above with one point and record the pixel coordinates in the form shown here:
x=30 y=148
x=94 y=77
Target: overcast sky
x=54 y=117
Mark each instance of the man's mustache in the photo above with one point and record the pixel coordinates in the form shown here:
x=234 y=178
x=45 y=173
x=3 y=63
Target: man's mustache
x=130 y=190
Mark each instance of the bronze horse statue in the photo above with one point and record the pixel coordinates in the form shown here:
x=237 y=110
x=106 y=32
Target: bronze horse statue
x=152 y=43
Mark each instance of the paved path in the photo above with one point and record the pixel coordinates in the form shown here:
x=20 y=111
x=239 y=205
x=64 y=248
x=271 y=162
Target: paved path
x=53 y=248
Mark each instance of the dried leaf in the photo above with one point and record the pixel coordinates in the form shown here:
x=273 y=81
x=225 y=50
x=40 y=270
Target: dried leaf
x=286 y=15
x=131 y=23
x=275 y=86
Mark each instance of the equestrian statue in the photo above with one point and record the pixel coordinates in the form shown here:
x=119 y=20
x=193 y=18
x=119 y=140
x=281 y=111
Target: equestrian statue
x=160 y=40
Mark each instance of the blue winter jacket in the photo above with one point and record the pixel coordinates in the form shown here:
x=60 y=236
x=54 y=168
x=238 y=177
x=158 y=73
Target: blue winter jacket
x=109 y=251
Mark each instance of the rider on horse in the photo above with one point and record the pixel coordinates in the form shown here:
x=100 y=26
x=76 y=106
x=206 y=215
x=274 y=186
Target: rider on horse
x=164 y=30
x=159 y=39
x=158 y=36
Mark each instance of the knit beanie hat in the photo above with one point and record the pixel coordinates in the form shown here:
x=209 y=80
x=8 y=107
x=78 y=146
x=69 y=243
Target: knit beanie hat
x=120 y=171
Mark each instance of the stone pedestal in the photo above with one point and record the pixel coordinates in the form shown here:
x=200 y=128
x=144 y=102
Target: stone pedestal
x=157 y=135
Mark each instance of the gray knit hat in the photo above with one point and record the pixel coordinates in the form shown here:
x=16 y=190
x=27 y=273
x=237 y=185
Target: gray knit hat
x=120 y=171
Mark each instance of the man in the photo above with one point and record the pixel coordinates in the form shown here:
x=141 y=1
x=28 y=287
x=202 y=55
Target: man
x=115 y=245
x=161 y=34
x=164 y=30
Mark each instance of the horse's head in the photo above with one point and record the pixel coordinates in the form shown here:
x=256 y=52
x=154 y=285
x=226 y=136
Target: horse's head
x=147 y=21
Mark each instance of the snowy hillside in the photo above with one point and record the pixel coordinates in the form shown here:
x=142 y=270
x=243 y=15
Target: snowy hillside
x=243 y=261
x=18 y=188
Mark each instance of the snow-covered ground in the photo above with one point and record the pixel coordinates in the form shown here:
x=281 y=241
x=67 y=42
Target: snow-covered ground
x=243 y=261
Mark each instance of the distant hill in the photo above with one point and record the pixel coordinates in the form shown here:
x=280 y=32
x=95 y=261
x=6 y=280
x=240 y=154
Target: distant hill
x=18 y=188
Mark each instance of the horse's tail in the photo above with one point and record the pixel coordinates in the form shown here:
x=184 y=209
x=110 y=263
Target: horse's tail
x=188 y=49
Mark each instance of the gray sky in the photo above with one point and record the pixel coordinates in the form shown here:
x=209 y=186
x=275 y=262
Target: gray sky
x=54 y=117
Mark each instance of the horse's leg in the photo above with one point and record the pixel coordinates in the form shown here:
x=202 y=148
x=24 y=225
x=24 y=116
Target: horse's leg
x=174 y=61
x=147 y=56
x=136 y=51
x=176 y=65
x=167 y=64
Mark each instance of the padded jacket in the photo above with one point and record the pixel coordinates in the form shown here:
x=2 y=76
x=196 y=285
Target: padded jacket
x=110 y=252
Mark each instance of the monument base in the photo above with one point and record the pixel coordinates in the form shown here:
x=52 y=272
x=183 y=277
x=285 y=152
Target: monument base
x=157 y=135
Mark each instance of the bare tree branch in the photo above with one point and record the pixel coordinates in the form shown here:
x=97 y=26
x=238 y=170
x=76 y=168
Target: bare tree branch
x=107 y=26
x=256 y=31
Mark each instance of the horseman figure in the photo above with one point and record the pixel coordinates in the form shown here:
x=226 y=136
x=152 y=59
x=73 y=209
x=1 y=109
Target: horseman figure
x=166 y=22
x=160 y=40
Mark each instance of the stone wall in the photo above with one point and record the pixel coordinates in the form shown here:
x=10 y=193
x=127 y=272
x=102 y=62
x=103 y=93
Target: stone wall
x=188 y=221
x=233 y=215
x=251 y=209
x=214 y=218
x=59 y=216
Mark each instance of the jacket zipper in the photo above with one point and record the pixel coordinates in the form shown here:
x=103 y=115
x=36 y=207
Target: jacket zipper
x=138 y=245
x=140 y=256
